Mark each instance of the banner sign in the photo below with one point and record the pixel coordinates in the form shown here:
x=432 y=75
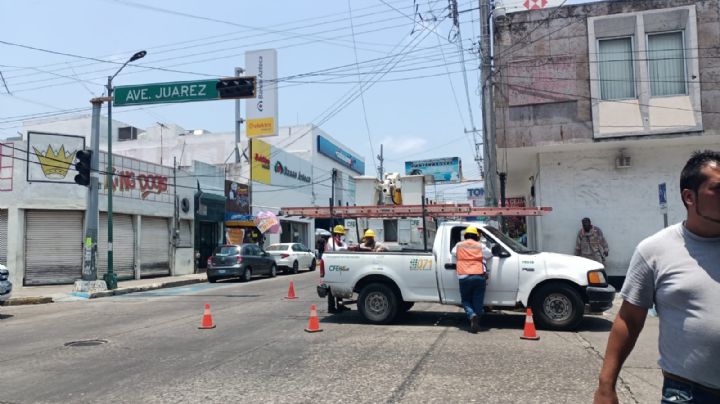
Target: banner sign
x=334 y=152
x=51 y=157
x=512 y=6
x=262 y=111
x=237 y=200
x=443 y=170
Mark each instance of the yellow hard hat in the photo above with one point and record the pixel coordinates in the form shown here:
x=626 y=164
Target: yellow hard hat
x=369 y=233
x=339 y=229
x=472 y=230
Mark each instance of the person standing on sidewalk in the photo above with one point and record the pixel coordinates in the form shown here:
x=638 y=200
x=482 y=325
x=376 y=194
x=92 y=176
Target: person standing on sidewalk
x=677 y=269
x=472 y=275
x=591 y=242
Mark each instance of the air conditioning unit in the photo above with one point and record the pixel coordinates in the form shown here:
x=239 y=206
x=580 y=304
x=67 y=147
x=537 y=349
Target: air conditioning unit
x=623 y=161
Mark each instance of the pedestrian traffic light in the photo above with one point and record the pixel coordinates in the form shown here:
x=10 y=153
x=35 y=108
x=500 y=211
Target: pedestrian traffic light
x=83 y=166
x=236 y=87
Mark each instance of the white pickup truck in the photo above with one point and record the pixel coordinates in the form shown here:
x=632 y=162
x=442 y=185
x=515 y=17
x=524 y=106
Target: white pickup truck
x=556 y=286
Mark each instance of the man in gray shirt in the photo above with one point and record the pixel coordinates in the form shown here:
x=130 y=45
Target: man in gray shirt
x=678 y=270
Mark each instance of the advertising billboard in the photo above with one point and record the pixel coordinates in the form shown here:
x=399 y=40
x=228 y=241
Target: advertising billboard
x=443 y=170
x=262 y=111
x=329 y=149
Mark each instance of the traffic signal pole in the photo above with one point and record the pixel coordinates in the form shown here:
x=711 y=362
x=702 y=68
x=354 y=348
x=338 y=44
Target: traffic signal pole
x=89 y=271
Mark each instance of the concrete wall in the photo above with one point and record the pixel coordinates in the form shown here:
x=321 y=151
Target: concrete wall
x=622 y=202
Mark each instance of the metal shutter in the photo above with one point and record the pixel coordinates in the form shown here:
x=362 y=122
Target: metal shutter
x=123 y=246
x=3 y=236
x=155 y=246
x=53 y=246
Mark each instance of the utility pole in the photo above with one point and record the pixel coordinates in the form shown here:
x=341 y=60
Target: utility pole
x=381 y=169
x=162 y=126
x=488 y=106
x=92 y=214
x=238 y=126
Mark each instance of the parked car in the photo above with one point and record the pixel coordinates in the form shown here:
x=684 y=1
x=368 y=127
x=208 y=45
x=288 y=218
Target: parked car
x=5 y=284
x=239 y=261
x=292 y=256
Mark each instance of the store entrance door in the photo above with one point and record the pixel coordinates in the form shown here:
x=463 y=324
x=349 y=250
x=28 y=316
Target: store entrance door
x=206 y=240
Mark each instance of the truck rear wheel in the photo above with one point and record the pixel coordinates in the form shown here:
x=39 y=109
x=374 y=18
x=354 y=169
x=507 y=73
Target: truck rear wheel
x=378 y=303
x=557 y=306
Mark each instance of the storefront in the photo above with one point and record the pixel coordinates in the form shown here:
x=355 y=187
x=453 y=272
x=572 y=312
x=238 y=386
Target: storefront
x=42 y=216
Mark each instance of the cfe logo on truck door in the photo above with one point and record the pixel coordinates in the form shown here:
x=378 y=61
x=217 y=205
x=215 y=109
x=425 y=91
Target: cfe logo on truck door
x=420 y=264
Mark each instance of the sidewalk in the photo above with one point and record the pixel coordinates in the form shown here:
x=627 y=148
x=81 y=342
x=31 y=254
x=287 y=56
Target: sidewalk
x=60 y=293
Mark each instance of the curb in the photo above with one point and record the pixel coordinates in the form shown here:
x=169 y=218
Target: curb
x=19 y=301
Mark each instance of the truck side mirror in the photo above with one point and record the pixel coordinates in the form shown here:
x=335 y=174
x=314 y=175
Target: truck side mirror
x=498 y=251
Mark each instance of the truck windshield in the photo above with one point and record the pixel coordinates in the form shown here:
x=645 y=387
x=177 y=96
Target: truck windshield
x=514 y=245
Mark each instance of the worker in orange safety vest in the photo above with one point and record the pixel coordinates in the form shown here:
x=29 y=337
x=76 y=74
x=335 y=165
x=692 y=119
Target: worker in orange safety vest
x=472 y=275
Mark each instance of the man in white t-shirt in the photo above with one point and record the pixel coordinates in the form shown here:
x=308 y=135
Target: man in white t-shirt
x=678 y=270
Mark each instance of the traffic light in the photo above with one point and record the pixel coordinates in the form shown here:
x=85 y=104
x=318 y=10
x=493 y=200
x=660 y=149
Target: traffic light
x=83 y=166
x=236 y=87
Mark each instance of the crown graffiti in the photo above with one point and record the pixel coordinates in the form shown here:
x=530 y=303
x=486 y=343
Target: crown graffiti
x=55 y=165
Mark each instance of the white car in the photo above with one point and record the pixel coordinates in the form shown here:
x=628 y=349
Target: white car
x=5 y=285
x=292 y=256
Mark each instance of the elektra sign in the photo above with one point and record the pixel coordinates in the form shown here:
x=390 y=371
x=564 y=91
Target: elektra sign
x=329 y=149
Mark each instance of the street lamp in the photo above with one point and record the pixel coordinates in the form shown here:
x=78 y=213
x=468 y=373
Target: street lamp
x=110 y=277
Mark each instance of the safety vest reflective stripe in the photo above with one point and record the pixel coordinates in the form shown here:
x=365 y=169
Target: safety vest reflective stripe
x=469 y=258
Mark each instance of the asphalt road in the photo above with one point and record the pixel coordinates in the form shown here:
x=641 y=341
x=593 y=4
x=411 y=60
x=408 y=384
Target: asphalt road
x=260 y=353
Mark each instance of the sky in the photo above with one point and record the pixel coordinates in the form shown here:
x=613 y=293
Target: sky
x=368 y=72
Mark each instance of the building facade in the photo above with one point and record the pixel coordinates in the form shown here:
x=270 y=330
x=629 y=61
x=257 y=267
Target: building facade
x=42 y=214
x=294 y=168
x=598 y=106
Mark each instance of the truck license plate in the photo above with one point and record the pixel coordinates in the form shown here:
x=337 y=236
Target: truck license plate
x=222 y=271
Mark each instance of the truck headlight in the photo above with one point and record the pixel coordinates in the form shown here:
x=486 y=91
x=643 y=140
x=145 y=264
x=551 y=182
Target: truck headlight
x=597 y=278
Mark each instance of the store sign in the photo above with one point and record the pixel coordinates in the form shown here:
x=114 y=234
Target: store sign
x=51 y=157
x=443 y=170
x=136 y=179
x=273 y=166
x=262 y=111
x=127 y=180
x=334 y=152
x=286 y=171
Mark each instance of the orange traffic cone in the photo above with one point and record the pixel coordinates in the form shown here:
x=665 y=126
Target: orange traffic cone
x=207 y=321
x=314 y=323
x=291 y=292
x=529 y=331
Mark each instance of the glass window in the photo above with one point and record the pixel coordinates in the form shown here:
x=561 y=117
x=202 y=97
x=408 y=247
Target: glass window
x=276 y=247
x=226 y=250
x=617 y=78
x=666 y=62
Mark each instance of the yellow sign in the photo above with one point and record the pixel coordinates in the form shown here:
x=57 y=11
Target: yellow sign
x=260 y=167
x=55 y=164
x=235 y=236
x=260 y=127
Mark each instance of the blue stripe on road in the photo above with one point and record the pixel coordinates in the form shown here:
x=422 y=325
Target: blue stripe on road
x=181 y=290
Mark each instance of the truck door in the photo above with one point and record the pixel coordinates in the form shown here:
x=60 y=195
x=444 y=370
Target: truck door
x=502 y=286
x=447 y=277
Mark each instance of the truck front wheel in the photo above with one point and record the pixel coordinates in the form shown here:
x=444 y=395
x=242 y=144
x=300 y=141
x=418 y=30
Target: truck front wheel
x=378 y=303
x=557 y=306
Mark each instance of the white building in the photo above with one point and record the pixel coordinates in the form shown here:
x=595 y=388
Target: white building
x=306 y=154
x=42 y=214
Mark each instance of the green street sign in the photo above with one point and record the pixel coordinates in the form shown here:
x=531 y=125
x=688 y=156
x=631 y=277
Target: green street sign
x=185 y=91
